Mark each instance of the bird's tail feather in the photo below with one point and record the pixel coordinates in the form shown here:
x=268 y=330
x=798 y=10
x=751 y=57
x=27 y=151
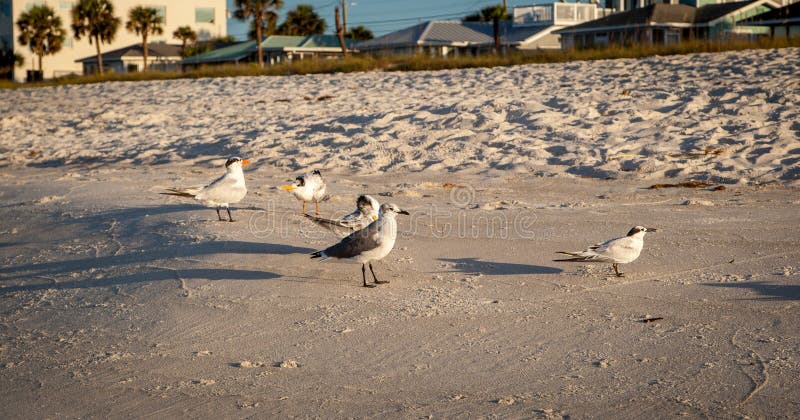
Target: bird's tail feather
x=320 y=220
x=317 y=254
x=179 y=192
x=576 y=257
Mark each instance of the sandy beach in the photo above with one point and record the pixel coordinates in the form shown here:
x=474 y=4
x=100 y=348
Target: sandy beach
x=121 y=302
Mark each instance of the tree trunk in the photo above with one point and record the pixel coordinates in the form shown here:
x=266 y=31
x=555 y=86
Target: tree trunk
x=40 y=54
x=144 y=49
x=183 y=47
x=259 y=22
x=99 y=57
x=340 y=31
x=496 y=27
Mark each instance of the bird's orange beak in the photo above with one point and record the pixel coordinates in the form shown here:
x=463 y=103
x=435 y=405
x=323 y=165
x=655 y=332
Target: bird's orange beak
x=287 y=187
x=245 y=162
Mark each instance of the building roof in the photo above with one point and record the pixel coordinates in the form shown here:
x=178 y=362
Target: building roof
x=782 y=16
x=135 y=50
x=664 y=14
x=711 y=12
x=653 y=14
x=323 y=43
x=452 y=33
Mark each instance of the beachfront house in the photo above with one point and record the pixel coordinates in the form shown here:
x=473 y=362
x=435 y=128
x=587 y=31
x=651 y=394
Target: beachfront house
x=531 y=28
x=665 y=24
x=782 y=23
x=276 y=49
x=206 y=17
x=163 y=57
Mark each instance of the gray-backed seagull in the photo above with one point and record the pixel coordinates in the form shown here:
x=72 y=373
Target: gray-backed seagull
x=225 y=190
x=615 y=251
x=369 y=244
x=365 y=213
x=307 y=188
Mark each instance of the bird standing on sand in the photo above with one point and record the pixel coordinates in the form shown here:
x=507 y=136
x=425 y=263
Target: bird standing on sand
x=225 y=190
x=365 y=213
x=369 y=244
x=307 y=188
x=615 y=251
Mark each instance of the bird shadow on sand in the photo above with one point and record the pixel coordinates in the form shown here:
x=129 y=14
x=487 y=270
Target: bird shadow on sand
x=148 y=256
x=474 y=265
x=768 y=291
x=148 y=276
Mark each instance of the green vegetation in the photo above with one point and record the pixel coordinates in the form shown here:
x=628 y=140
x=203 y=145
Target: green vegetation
x=420 y=62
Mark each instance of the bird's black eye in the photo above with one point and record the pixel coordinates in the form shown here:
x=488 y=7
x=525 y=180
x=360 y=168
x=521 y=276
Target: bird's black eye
x=300 y=181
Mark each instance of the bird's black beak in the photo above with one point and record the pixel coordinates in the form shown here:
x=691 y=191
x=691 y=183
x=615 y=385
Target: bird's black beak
x=651 y=230
x=403 y=212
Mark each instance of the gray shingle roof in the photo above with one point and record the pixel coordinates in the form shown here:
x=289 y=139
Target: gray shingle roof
x=135 y=50
x=456 y=33
x=790 y=13
x=662 y=14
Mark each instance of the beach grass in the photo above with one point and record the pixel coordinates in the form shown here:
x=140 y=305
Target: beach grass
x=419 y=62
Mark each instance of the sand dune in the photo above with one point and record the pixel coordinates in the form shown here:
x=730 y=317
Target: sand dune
x=730 y=117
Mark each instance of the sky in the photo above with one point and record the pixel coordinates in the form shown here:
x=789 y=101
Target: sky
x=383 y=16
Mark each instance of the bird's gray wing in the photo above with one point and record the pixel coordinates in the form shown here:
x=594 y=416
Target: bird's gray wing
x=335 y=226
x=356 y=243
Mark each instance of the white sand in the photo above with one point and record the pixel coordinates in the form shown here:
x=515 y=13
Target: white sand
x=656 y=117
x=117 y=302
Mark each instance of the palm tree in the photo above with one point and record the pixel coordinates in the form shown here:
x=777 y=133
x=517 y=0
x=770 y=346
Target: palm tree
x=268 y=26
x=303 y=20
x=41 y=30
x=185 y=34
x=492 y=14
x=95 y=19
x=259 y=11
x=360 y=33
x=144 y=21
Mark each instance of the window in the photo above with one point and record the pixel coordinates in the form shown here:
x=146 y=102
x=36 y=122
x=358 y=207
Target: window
x=65 y=5
x=204 y=15
x=68 y=42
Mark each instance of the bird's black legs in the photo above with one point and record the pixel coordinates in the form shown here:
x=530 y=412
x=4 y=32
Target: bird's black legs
x=218 y=215
x=616 y=270
x=375 y=278
x=364 y=275
x=230 y=218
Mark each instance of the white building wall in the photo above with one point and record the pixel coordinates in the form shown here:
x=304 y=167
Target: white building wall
x=178 y=13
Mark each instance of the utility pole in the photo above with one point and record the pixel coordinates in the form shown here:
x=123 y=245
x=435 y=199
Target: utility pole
x=505 y=6
x=344 y=16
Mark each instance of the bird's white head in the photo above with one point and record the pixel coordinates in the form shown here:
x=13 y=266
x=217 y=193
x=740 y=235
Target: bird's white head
x=391 y=209
x=235 y=162
x=639 y=231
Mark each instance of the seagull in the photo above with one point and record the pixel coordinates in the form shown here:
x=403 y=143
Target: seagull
x=365 y=213
x=307 y=188
x=369 y=244
x=615 y=251
x=225 y=190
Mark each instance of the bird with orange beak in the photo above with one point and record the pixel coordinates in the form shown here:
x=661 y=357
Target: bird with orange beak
x=307 y=188
x=225 y=190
